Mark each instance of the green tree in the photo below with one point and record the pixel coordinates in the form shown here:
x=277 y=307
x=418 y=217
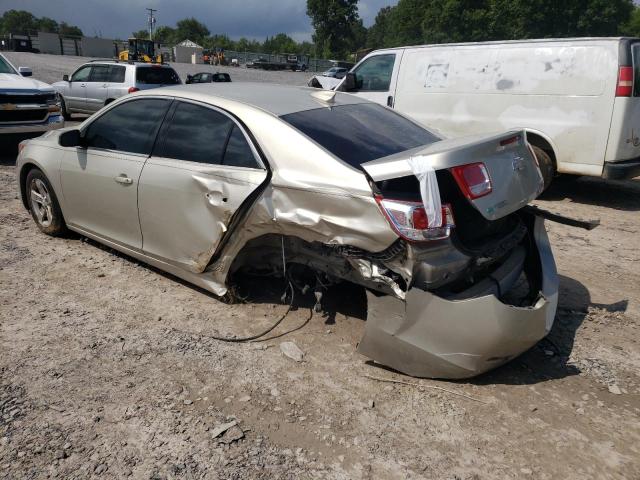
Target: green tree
x=48 y=25
x=333 y=22
x=631 y=28
x=18 y=21
x=378 y=34
x=141 y=34
x=164 y=34
x=70 y=30
x=281 y=43
x=192 y=29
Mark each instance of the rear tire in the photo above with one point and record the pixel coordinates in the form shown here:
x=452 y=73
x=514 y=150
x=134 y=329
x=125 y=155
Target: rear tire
x=43 y=204
x=547 y=168
x=63 y=106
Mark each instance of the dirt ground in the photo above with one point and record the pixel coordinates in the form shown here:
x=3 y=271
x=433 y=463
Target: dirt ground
x=106 y=371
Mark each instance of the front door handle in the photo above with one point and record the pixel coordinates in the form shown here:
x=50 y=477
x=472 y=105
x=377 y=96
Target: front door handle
x=123 y=179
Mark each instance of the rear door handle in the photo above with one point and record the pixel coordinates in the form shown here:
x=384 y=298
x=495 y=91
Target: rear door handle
x=123 y=179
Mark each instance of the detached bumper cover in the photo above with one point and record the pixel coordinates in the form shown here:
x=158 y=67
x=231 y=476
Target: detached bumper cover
x=621 y=170
x=428 y=336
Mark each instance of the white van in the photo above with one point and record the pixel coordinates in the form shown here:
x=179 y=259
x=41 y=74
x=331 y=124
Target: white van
x=578 y=99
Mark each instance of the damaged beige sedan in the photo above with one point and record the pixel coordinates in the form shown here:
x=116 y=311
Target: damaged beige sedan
x=205 y=182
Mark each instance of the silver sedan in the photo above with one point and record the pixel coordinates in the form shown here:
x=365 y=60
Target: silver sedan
x=208 y=181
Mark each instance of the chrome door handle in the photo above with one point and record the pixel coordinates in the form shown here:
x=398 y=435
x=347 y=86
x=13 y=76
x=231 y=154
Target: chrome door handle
x=123 y=179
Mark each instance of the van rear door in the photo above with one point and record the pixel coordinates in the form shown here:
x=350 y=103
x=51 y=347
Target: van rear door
x=624 y=135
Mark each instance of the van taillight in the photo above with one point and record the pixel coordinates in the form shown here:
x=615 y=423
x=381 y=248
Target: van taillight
x=410 y=220
x=473 y=179
x=625 y=82
x=133 y=89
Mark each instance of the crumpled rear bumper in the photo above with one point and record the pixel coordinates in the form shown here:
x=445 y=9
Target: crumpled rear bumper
x=428 y=336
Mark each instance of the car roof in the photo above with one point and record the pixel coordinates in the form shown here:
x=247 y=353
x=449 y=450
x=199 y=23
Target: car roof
x=273 y=98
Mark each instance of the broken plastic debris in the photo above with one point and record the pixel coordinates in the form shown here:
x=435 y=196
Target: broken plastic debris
x=429 y=190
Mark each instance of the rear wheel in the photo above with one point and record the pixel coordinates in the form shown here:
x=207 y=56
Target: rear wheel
x=63 y=106
x=43 y=204
x=547 y=168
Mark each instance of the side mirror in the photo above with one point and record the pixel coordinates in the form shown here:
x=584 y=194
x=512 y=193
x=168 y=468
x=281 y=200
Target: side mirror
x=189 y=79
x=71 y=138
x=25 y=71
x=350 y=82
x=65 y=78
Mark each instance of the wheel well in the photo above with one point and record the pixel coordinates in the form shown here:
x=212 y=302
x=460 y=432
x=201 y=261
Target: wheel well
x=540 y=142
x=23 y=178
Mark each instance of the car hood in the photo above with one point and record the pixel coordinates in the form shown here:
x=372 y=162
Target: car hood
x=10 y=81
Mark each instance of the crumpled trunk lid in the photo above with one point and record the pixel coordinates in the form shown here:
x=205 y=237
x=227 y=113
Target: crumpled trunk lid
x=514 y=173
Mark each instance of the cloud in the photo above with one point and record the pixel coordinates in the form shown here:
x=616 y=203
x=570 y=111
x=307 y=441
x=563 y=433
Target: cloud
x=249 y=18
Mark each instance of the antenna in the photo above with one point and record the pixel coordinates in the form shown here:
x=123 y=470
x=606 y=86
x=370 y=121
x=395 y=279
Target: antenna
x=151 y=20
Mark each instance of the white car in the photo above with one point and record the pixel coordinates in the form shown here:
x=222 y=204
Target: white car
x=28 y=107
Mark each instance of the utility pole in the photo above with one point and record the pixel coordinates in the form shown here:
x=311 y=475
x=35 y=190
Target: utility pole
x=151 y=20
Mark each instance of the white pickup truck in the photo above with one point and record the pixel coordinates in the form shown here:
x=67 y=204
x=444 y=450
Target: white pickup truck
x=578 y=99
x=28 y=107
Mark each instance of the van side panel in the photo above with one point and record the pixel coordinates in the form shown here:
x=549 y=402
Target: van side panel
x=562 y=90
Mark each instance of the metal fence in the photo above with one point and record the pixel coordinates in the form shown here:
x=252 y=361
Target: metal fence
x=313 y=64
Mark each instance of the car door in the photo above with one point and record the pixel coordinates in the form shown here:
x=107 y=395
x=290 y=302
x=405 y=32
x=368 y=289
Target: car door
x=202 y=170
x=100 y=179
x=376 y=77
x=97 y=87
x=76 y=96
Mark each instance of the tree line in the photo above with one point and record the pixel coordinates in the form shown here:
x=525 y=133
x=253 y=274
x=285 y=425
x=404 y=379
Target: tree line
x=23 y=22
x=339 y=31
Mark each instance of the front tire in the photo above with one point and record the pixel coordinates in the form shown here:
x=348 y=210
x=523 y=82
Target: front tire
x=547 y=168
x=63 y=106
x=43 y=204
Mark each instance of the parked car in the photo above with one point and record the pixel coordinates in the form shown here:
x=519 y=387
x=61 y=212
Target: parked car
x=98 y=83
x=577 y=99
x=335 y=72
x=203 y=182
x=208 y=77
x=28 y=106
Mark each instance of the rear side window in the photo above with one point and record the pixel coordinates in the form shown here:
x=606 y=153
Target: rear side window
x=200 y=134
x=361 y=132
x=157 y=76
x=197 y=134
x=116 y=74
x=128 y=127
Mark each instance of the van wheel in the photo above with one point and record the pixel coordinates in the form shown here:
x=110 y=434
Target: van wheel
x=43 y=204
x=547 y=168
x=63 y=106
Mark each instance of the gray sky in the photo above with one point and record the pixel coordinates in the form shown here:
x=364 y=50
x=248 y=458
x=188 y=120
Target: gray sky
x=237 y=18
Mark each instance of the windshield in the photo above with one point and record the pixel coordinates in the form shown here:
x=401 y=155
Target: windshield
x=5 y=67
x=157 y=76
x=359 y=133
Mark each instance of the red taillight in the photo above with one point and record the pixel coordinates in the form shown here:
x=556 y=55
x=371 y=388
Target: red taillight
x=473 y=179
x=625 y=82
x=410 y=221
x=510 y=141
x=133 y=89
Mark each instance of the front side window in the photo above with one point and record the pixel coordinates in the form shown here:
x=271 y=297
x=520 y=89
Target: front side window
x=5 y=67
x=374 y=74
x=81 y=75
x=129 y=127
x=358 y=133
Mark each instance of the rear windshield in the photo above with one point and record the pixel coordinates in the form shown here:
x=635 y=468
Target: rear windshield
x=359 y=133
x=157 y=76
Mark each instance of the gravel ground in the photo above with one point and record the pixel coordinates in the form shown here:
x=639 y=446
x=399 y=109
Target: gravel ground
x=106 y=369
x=51 y=68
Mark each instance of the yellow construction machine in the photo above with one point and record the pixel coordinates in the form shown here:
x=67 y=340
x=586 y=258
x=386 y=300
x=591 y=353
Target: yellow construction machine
x=140 y=50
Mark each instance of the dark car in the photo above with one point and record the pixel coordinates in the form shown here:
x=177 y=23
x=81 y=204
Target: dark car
x=208 y=77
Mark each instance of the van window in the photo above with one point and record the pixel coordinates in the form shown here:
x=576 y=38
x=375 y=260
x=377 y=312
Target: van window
x=360 y=132
x=374 y=74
